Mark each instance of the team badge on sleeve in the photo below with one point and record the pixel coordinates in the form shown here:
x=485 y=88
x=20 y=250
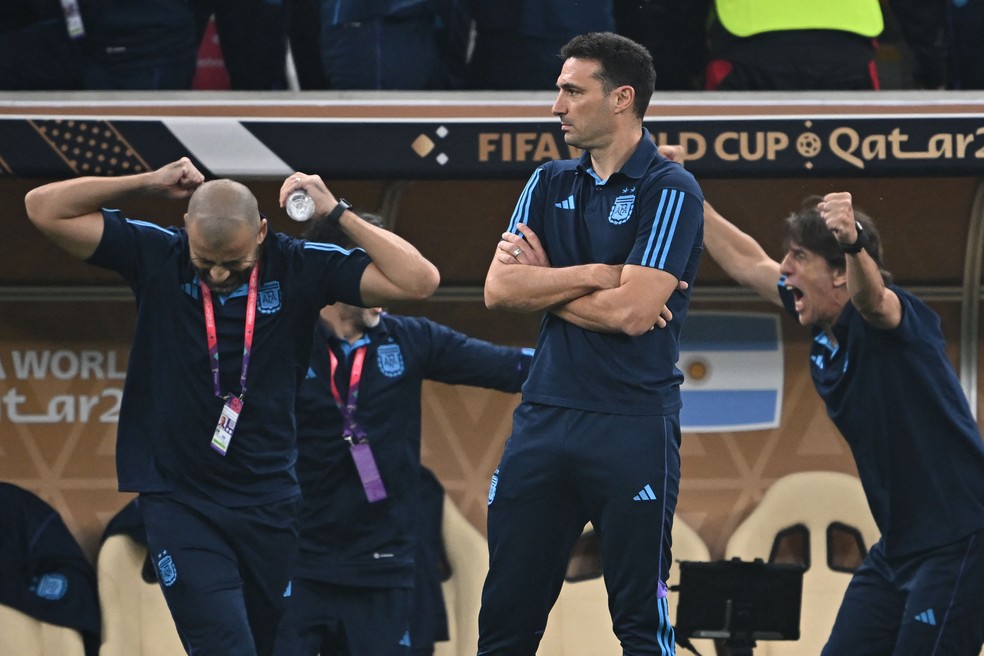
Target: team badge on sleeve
x=51 y=586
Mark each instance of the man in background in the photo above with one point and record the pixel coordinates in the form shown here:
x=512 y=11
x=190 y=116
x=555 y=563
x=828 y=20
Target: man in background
x=358 y=415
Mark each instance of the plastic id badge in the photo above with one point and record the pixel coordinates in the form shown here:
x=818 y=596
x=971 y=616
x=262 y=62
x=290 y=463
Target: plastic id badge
x=73 y=19
x=372 y=482
x=227 y=424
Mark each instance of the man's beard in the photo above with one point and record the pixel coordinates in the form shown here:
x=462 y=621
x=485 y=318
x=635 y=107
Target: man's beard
x=233 y=281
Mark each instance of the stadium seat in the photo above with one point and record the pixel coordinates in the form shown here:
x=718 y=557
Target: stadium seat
x=818 y=519
x=22 y=635
x=468 y=555
x=580 y=623
x=136 y=620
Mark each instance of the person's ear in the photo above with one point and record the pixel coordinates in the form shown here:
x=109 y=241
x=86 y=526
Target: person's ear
x=624 y=97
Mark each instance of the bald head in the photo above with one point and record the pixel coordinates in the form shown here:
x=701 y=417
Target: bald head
x=224 y=234
x=221 y=209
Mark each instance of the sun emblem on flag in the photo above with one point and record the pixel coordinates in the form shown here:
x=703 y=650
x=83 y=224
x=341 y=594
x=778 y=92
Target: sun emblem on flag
x=696 y=370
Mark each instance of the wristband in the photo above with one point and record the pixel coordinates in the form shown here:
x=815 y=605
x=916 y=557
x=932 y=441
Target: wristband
x=333 y=216
x=860 y=244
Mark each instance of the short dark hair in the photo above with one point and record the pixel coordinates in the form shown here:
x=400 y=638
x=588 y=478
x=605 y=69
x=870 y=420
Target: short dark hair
x=620 y=60
x=329 y=233
x=807 y=229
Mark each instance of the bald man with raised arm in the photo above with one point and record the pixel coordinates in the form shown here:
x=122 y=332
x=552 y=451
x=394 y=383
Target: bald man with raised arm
x=225 y=312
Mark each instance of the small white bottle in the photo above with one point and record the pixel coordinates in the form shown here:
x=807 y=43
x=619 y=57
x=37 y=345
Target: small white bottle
x=300 y=206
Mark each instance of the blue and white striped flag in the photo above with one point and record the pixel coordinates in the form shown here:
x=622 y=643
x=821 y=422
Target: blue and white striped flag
x=732 y=367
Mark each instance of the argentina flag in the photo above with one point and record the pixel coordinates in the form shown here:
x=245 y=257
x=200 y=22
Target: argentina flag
x=732 y=366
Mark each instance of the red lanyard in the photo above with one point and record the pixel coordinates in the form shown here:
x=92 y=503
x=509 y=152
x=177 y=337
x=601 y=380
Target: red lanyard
x=349 y=428
x=213 y=339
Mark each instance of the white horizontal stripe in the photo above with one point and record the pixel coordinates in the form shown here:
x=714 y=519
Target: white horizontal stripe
x=890 y=98
x=733 y=370
x=226 y=148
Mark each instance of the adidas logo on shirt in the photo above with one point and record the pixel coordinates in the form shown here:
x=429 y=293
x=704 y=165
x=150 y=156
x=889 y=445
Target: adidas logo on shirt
x=927 y=617
x=645 y=494
x=567 y=204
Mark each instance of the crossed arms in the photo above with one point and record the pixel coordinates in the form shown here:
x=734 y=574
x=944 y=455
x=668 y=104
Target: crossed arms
x=629 y=299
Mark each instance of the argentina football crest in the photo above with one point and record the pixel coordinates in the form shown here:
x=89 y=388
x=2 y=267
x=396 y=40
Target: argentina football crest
x=166 y=570
x=622 y=209
x=269 y=297
x=389 y=359
x=51 y=586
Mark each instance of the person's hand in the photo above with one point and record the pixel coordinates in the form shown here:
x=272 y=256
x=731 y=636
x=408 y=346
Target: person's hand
x=178 y=179
x=665 y=316
x=313 y=186
x=524 y=248
x=673 y=152
x=837 y=211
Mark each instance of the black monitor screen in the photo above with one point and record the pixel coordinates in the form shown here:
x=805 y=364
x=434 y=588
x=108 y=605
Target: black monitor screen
x=731 y=598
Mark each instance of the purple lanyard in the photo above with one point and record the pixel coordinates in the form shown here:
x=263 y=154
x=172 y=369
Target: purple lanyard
x=350 y=429
x=354 y=434
x=213 y=338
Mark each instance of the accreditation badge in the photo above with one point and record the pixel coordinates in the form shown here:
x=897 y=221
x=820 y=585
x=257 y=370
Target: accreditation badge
x=227 y=424
x=73 y=19
x=372 y=482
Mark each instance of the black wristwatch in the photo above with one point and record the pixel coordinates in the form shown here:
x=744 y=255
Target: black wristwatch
x=860 y=244
x=333 y=216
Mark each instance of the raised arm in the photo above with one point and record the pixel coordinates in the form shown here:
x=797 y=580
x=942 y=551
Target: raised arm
x=398 y=271
x=878 y=304
x=740 y=256
x=67 y=212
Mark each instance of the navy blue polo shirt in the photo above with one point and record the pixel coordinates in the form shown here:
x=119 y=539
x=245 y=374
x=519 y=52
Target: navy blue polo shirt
x=895 y=398
x=545 y=18
x=650 y=213
x=169 y=409
x=345 y=539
